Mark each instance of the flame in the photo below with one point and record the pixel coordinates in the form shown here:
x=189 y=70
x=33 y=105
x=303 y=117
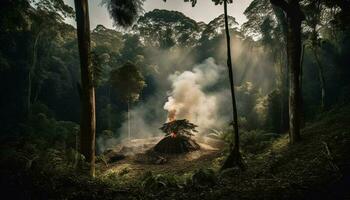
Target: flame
x=171 y=115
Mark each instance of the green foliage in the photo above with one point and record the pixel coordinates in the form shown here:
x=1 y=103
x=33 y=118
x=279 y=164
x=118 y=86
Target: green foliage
x=98 y=62
x=124 y=12
x=182 y=127
x=165 y=29
x=204 y=178
x=55 y=6
x=256 y=141
x=128 y=81
x=152 y=181
x=42 y=126
x=14 y=15
x=252 y=142
x=217 y=26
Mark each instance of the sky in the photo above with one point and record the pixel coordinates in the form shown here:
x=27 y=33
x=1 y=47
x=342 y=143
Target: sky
x=205 y=10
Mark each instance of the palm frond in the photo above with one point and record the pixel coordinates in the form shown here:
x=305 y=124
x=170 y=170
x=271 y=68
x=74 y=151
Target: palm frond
x=124 y=12
x=182 y=127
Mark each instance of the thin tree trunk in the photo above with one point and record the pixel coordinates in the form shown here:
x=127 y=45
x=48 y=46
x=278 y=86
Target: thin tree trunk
x=315 y=45
x=37 y=92
x=129 y=134
x=31 y=72
x=109 y=122
x=234 y=159
x=282 y=87
x=322 y=79
x=87 y=91
x=302 y=115
x=76 y=155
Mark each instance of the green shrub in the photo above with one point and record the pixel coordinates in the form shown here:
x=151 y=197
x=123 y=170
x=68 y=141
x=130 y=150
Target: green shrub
x=204 y=178
x=256 y=141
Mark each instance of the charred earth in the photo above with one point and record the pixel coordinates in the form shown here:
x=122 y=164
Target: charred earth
x=178 y=138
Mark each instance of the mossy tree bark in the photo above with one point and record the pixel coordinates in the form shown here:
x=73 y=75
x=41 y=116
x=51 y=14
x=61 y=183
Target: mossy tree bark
x=294 y=18
x=87 y=91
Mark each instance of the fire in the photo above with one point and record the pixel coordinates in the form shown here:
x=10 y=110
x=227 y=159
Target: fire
x=171 y=115
x=173 y=135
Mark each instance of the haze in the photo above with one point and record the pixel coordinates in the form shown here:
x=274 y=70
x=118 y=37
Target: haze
x=99 y=15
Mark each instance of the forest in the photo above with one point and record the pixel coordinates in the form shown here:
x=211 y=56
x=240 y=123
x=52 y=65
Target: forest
x=162 y=106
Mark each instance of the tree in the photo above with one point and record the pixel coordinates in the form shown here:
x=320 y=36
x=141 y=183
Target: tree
x=178 y=137
x=165 y=29
x=124 y=13
x=269 y=22
x=179 y=127
x=235 y=158
x=128 y=82
x=47 y=15
x=86 y=90
x=313 y=21
x=294 y=18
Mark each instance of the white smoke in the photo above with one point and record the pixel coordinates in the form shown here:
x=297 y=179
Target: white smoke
x=189 y=98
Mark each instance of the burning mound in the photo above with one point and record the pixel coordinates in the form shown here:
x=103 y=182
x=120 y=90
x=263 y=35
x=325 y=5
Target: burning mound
x=178 y=138
x=176 y=145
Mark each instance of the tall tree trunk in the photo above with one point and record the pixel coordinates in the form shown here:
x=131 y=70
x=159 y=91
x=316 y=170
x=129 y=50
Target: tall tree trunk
x=283 y=91
x=235 y=158
x=31 y=73
x=87 y=91
x=302 y=114
x=109 y=110
x=315 y=45
x=294 y=55
x=129 y=127
x=321 y=78
x=294 y=19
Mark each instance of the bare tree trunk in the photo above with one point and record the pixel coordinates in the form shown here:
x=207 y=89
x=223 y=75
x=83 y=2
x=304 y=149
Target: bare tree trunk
x=87 y=91
x=302 y=115
x=76 y=155
x=294 y=55
x=283 y=90
x=129 y=134
x=109 y=122
x=315 y=45
x=31 y=72
x=235 y=158
x=322 y=79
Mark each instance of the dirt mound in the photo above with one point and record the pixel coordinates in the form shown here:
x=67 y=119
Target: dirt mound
x=176 y=145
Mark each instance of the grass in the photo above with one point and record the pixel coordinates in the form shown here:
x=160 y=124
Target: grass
x=316 y=168
x=283 y=171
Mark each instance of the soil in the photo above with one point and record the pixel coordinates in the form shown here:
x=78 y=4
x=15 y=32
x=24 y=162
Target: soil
x=140 y=157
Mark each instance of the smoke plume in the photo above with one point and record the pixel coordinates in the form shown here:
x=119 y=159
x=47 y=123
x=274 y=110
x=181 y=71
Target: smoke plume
x=189 y=98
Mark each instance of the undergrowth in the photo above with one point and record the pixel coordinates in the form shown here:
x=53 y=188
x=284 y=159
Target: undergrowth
x=317 y=167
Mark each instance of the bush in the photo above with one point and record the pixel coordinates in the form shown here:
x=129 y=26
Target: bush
x=204 y=178
x=151 y=181
x=256 y=141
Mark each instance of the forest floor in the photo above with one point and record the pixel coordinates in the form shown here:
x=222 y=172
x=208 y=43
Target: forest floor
x=316 y=168
x=141 y=159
